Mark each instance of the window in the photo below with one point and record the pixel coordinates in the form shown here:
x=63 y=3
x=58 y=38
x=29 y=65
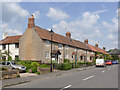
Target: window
x=72 y=56
x=75 y=48
x=81 y=57
x=17 y=45
x=16 y=57
x=90 y=58
x=8 y=63
x=47 y=55
x=66 y=55
x=47 y=43
x=60 y=46
x=67 y=47
x=3 y=46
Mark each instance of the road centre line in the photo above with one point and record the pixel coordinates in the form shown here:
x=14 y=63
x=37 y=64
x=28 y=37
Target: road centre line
x=88 y=78
x=66 y=87
x=103 y=71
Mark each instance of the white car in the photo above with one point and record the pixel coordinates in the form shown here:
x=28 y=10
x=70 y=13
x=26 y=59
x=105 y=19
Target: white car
x=100 y=62
x=14 y=65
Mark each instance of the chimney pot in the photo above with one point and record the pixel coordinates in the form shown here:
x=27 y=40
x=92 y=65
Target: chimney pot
x=5 y=35
x=31 y=23
x=96 y=45
x=68 y=34
x=86 y=41
x=104 y=48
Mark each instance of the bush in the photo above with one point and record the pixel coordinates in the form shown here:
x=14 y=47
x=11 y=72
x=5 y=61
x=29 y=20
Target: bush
x=34 y=64
x=66 y=61
x=89 y=63
x=65 y=66
x=44 y=66
x=34 y=69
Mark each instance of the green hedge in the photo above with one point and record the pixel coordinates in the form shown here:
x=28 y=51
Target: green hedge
x=65 y=66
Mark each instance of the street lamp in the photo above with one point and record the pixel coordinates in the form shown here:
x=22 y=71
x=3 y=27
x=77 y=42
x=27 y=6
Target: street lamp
x=51 y=34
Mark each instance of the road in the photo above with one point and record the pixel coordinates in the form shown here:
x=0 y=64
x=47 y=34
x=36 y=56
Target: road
x=99 y=77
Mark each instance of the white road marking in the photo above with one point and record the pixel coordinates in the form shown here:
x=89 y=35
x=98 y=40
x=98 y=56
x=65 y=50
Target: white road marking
x=88 y=78
x=66 y=87
x=103 y=71
x=109 y=69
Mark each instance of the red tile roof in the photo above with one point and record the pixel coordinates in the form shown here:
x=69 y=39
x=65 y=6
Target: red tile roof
x=44 y=34
x=10 y=39
x=97 y=49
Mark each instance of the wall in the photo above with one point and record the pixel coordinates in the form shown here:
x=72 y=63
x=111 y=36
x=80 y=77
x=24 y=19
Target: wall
x=13 y=51
x=31 y=47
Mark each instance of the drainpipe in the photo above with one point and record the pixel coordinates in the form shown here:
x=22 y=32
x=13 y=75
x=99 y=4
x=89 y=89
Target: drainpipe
x=8 y=50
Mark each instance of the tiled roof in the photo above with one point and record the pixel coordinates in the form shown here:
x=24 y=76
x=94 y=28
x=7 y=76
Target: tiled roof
x=44 y=34
x=10 y=39
x=96 y=49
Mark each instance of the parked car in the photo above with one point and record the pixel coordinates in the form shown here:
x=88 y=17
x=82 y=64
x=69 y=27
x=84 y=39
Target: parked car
x=14 y=65
x=100 y=62
x=108 y=62
x=115 y=61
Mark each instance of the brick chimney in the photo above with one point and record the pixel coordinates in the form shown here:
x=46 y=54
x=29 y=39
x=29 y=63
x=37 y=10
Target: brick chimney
x=104 y=48
x=68 y=34
x=86 y=41
x=96 y=45
x=31 y=23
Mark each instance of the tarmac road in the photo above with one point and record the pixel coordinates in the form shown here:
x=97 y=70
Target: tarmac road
x=99 y=77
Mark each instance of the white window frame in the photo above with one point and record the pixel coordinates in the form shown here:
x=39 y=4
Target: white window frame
x=66 y=47
x=60 y=46
x=75 y=49
x=47 y=54
x=47 y=43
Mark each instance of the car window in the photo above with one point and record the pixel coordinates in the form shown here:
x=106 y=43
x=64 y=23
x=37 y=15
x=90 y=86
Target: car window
x=8 y=63
x=3 y=63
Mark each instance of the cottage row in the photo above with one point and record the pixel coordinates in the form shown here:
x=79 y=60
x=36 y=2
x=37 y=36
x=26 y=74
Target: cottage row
x=35 y=45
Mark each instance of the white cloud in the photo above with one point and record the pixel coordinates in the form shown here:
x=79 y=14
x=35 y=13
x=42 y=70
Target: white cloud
x=12 y=11
x=10 y=31
x=111 y=27
x=57 y=14
x=81 y=28
x=36 y=14
x=13 y=16
x=110 y=36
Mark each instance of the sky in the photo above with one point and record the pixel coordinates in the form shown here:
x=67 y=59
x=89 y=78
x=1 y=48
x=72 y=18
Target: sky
x=95 y=21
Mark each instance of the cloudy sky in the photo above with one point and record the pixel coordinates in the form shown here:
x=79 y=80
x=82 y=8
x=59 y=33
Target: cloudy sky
x=95 y=21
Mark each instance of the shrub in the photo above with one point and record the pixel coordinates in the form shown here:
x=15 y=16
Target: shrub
x=89 y=63
x=38 y=73
x=34 y=69
x=9 y=58
x=66 y=61
x=44 y=66
x=34 y=64
x=65 y=66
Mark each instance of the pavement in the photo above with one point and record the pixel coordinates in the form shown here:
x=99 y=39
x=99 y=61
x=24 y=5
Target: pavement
x=101 y=77
x=29 y=77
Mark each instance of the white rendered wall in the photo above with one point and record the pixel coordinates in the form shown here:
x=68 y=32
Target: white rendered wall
x=13 y=51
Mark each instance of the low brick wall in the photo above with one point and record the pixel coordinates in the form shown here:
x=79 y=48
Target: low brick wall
x=9 y=74
x=44 y=70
